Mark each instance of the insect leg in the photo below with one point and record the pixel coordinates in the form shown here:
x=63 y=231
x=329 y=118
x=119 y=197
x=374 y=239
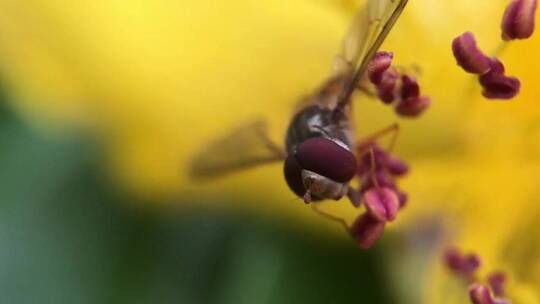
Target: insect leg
x=270 y=144
x=329 y=216
x=393 y=130
x=355 y=197
x=372 y=167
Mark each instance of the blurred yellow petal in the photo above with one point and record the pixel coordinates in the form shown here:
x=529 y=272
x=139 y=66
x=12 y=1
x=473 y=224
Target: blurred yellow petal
x=145 y=75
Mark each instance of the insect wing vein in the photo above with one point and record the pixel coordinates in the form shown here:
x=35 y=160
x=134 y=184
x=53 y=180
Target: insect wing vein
x=244 y=147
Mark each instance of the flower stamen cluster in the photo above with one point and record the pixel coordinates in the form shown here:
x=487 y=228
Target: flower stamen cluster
x=381 y=197
x=518 y=23
x=490 y=71
x=377 y=168
x=463 y=265
x=518 y=20
x=393 y=88
x=466 y=266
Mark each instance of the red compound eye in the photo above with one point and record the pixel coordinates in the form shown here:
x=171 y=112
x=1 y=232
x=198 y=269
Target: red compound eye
x=327 y=158
x=293 y=175
x=322 y=156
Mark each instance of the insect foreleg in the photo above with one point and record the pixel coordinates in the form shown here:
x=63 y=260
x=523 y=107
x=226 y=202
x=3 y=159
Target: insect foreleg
x=354 y=196
x=329 y=216
x=392 y=130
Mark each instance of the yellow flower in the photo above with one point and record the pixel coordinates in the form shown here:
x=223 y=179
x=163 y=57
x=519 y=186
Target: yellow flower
x=143 y=76
x=155 y=81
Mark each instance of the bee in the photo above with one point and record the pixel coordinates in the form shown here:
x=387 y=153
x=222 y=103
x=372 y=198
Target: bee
x=318 y=154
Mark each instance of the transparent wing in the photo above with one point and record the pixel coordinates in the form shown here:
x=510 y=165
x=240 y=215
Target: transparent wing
x=245 y=147
x=368 y=31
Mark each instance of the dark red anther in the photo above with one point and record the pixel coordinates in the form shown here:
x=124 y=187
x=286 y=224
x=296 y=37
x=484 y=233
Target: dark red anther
x=396 y=166
x=403 y=199
x=496 y=85
x=497 y=282
x=380 y=160
x=471 y=264
x=499 y=86
x=480 y=294
x=465 y=265
x=362 y=168
x=497 y=67
x=412 y=107
x=386 y=90
x=382 y=203
x=469 y=56
x=380 y=63
x=409 y=87
x=366 y=230
x=453 y=260
x=519 y=20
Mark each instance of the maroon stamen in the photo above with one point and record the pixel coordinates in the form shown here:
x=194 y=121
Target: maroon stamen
x=396 y=166
x=386 y=90
x=497 y=282
x=380 y=63
x=468 y=55
x=403 y=199
x=409 y=87
x=382 y=203
x=519 y=20
x=463 y=265
x=467 y=266
x=366 y=230
x=496 y=85
x=479 y=294
x=412 y=107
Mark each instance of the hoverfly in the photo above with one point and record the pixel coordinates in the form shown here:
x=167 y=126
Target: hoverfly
x=318 y=157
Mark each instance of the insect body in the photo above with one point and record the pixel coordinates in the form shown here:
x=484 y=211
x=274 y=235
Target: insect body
x=319 y=144
x=318 y=156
